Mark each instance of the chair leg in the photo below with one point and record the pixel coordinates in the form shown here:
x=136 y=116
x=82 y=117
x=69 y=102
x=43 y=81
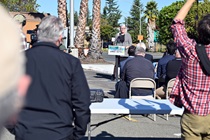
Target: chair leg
x=167 y=117
x=129 y=116
x=154 y=117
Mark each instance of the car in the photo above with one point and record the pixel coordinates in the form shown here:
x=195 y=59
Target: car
x=106 y=44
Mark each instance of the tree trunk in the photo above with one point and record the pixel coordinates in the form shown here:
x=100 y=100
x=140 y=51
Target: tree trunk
x=95 y=49
x=62 y=11
x=80 y=32
x=151 y=27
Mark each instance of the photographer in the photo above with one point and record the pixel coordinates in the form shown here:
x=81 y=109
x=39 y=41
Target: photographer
x=192 y=86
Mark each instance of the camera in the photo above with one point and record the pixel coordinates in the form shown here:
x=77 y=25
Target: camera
x=33 y=35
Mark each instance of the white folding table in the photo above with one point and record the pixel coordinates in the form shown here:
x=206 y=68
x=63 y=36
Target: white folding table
x=133 y=106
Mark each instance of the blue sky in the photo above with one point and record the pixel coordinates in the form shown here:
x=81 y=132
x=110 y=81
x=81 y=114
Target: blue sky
x=50 y=6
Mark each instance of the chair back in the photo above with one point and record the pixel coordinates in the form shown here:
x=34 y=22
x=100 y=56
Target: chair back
x=169 y=87
x=143 y=83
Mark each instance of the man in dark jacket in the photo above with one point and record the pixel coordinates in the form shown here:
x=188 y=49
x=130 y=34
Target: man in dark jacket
x=57 y=103
x=161 y=68
x=138 y=67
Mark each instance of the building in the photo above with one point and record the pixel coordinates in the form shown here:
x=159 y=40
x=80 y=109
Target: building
x=32 y=20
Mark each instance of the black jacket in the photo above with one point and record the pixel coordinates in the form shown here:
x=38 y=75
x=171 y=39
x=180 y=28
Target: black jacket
x=172 y=69
x=57 y=97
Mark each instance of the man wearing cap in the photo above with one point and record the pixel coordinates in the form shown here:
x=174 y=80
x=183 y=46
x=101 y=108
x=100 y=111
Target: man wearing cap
x=14 y=82
x=21 y=20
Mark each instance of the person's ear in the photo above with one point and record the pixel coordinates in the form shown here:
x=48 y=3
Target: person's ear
x=59 y=41
x=23 y=85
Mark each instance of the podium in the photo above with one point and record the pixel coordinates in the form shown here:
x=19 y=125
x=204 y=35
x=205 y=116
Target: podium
x=120 y=53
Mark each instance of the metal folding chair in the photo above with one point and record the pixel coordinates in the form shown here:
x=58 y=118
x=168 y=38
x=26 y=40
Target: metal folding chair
x=168 y=90
x=143 y=83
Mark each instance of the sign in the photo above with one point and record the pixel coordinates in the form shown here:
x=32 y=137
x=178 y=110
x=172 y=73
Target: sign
x=116 y=50
x=140 y=37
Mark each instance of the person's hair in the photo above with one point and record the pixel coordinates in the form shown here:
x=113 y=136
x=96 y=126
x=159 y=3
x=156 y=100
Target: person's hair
x=204 y=30
x=139 y=50
x=171 y=47
x=9 y=104
x=50 y=28
x=123 y=25
x=12 y=63
x=131 y=50
x=141 y=44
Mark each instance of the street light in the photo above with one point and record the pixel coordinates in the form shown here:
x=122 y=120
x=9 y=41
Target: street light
x=141 y=37
x=139 y=19
x=71 y=23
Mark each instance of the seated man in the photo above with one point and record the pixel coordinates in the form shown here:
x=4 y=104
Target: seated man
x=138 y=67
x=172 y=69
x=147 y=56
x=131 y=53
x=161 y=68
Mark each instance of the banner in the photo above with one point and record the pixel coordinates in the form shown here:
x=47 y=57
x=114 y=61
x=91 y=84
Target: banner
x=116 y=50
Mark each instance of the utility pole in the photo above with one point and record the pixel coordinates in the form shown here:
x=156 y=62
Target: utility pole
x=71 y=23
x=140 y=20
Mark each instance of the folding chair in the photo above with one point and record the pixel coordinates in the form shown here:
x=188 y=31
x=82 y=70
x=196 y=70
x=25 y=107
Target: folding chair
x=168 y=90
x=169 y=87
x=143 y=83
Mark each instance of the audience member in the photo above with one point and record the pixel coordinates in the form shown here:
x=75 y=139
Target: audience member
x=21 y=20
x=14 y=82
x=147 y=56
x=58 y=99
x=172 y=69
x=161 y=68
x=131 y=54
x=192 y=86
x=123 y=38
x=138 y=67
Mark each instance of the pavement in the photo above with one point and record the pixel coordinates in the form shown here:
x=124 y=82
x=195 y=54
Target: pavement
x=102 y=68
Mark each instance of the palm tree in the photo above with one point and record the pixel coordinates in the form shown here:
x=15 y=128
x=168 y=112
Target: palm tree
x=151 y=13
x=80 y=32
x=62 y=11
x=95 y=49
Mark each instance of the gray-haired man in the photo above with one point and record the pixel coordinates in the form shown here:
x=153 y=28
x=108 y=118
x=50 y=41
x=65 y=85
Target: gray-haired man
x=58 y=99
